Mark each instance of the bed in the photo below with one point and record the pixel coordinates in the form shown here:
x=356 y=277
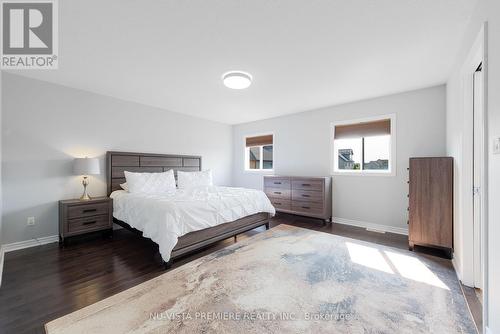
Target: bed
x=185 y=221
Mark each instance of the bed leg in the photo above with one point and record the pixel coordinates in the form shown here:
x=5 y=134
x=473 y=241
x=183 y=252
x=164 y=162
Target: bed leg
x=168 y=264
x=235 y=238
x=267 y=226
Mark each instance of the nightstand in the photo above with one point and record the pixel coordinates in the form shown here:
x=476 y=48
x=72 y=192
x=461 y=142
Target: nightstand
x=78 y=217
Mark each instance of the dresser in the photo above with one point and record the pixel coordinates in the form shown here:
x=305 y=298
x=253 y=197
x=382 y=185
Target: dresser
x=78 y=217
x=305 y=196
x=431 y=203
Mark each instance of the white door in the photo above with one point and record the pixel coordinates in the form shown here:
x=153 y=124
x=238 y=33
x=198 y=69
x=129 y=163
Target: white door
x=478 y=166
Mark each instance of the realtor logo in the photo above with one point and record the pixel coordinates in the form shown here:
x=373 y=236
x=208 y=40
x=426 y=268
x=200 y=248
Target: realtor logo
x=29 y=34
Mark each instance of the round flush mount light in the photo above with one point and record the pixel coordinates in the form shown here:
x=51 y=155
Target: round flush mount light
x=237 y=79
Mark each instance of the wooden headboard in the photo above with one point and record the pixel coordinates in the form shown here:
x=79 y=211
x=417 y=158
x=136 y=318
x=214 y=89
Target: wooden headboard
x=119 y=162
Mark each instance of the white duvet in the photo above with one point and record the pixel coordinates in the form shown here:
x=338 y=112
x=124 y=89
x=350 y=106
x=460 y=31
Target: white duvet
x=166 y=217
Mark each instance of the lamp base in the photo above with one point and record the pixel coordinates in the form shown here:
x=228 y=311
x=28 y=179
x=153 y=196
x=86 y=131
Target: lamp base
x=85 y=196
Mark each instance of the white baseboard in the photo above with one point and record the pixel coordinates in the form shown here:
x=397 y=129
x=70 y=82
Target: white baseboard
x=371 y=226
x=23 y=244
x=1 y=263
x=457 y=268
x=30 y=243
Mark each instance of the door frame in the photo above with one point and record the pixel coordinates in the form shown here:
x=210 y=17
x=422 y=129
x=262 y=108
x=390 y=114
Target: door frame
x=479 y=193
x=465 y=214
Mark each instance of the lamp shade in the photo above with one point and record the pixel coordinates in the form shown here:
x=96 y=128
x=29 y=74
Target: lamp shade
x=86 y=166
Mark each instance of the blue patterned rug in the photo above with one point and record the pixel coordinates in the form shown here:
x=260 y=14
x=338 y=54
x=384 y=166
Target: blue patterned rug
x=288 y=280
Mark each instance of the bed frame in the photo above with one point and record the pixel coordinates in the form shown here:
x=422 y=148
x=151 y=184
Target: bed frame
x=119 y=162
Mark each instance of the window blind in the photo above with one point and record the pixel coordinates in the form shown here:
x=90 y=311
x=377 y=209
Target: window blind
x=365 y=129
x=259 y=140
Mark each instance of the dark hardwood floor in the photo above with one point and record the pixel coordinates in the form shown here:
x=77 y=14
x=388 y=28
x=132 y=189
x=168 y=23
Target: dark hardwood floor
x=475 y=306
x=46 y=282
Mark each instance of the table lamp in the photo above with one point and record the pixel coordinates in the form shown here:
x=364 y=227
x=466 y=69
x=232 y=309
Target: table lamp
x=85 y=167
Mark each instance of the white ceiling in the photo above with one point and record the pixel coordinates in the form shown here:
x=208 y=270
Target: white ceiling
x=303 y=54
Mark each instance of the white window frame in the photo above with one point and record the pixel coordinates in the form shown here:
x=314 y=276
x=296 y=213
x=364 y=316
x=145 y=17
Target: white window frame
x=247 y=149
x=362 y=172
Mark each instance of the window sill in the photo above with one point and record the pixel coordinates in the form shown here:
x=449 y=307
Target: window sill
x=386 y=174
x=257 y=171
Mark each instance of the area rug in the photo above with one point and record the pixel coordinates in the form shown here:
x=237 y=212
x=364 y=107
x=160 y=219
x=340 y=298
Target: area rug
x=288 y=280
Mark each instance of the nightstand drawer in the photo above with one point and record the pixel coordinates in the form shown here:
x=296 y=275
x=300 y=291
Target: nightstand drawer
x=89 y=209
x=89 y=223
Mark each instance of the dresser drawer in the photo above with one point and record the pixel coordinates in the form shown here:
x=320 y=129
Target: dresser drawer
x=278 y=193
x=307 y=195
x=89 y=223
x=281 y=204
x=277 y=182
x=313 y=208
x=308 y=184
x=312 y=204
x=86 y=210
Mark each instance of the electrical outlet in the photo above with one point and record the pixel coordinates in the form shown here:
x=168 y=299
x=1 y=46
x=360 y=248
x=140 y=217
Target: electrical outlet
x=31 y=221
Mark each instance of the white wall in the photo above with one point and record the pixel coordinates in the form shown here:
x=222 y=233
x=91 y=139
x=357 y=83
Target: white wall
x=302 y=147
x=45 y=125
x=1 y=249
x=1 y=106
x=487 y=10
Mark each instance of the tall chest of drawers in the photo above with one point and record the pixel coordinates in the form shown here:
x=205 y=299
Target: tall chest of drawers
x=431 y=203
x=305 y=196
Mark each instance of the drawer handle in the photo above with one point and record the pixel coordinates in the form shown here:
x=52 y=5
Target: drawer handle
x=90 y=223
x=89 y=210
x=277 y=182
x=306 y=207
x=277 y=203
x=304 y=195
x=278 y=192
x=306 y=185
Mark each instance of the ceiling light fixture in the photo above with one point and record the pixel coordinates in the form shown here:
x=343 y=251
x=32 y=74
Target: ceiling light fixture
x=237 y=79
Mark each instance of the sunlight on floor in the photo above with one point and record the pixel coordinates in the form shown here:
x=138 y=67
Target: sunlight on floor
x=368 y=257
x=412 y=268
x=406 y=266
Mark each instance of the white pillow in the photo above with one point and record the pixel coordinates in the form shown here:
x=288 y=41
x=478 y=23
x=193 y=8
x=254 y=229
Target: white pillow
x=124 y=186
x=150 y=183
x=194 y=179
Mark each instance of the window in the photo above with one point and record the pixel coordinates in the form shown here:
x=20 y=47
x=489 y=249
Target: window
x=364 y=146
x=259 y=153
